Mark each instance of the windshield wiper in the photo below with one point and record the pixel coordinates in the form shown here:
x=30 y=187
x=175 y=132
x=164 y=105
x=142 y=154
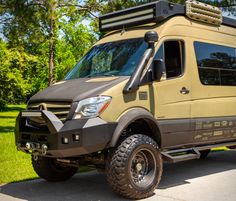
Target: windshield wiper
x=111 y=73
x=105 y=74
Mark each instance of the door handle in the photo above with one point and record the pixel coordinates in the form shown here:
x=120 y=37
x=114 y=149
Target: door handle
x=184 y=90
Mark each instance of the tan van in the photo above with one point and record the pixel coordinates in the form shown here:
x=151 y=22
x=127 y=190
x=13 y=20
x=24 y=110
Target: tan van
x=159 y=86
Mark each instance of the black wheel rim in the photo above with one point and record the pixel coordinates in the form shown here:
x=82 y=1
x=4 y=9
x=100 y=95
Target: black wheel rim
x=143 y=168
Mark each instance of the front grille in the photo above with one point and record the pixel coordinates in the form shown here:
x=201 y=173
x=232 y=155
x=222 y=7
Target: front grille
x=60 y=109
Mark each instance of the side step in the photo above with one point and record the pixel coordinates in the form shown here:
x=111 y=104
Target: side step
x=174 y=156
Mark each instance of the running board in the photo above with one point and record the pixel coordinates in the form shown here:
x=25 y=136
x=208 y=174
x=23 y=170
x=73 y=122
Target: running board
x=178 y=155
x=174 y=156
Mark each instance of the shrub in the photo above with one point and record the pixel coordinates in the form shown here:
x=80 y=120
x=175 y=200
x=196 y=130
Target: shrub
x=3 y=105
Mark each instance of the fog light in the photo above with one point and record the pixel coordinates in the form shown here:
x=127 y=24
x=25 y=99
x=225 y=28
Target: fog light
x=76 y=137
x=65 y=140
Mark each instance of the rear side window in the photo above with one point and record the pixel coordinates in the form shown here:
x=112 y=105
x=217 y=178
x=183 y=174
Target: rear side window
x=216 y=64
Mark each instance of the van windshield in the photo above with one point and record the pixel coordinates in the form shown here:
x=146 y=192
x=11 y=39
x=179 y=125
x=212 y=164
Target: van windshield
x=119 y=58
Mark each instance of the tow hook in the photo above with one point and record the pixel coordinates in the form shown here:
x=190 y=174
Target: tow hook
x=35 y=148
x=44 y=149
x=35 y=155
x=32 y=146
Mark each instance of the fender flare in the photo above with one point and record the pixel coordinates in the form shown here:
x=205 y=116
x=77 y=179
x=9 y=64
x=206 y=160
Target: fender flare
x=131 y=116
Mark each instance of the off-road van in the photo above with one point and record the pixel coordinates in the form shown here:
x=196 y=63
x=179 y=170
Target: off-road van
x=159 y=86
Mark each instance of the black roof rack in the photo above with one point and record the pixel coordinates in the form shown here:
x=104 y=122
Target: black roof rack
x=147 y=13
x=229 y=22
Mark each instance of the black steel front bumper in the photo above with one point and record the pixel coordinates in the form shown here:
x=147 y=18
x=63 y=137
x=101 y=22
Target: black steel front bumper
x=94 y=134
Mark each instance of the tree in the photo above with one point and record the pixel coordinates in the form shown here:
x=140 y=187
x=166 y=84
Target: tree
x=112 y=5
x=76 y=40
x=14 y=64
x=29 y=23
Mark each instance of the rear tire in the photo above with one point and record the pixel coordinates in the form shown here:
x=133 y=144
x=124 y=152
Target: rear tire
x=204 y=153
x=231 y=147
x=134 y=169
x=50 y=170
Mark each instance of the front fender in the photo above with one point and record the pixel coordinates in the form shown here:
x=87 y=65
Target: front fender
x=131 y=116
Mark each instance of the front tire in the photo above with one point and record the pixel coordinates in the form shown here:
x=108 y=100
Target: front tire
x=50 y=170
x=134 y=169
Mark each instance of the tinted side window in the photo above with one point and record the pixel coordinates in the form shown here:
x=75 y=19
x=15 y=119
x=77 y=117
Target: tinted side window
x=216 y=64
x=171 y=52
x=209 y=76
x=173 y=58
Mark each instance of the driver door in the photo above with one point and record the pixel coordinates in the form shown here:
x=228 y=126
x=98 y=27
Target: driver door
x=173 y=94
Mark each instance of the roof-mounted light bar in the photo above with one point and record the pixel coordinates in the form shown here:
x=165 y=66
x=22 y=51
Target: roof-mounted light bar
x=147 y=13
x=203 y=12
x=129 y=18
x=158 y=11
x=133 y=16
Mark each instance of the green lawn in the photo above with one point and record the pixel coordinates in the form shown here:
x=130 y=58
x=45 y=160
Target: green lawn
x=14 y=165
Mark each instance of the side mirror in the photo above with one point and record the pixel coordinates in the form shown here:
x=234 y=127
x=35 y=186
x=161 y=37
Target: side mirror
x=158 y=69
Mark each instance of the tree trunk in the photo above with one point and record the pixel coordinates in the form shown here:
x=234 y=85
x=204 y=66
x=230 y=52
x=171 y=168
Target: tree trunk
x=52 y=34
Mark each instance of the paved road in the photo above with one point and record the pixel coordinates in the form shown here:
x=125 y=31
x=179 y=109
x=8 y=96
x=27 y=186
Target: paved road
x=213 y=179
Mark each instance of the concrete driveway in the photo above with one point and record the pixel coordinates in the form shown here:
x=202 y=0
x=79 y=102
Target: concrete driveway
x=212 y=179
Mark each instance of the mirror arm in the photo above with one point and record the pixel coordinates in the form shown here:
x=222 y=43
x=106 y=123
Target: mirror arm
x=158 y=69
x=134 y=81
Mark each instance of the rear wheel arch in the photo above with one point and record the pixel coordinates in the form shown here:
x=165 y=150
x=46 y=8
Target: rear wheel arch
x=142 y=121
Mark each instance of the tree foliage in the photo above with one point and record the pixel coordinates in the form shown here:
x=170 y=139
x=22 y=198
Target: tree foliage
x=40 y=34
x=43 y=39
x=15 y=67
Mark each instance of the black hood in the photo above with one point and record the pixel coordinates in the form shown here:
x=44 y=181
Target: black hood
x=75 y=90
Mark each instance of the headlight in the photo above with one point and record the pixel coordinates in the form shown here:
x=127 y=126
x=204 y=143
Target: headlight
x=91 y=107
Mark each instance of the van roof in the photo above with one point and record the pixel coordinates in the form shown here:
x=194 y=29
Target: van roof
x=159 y=11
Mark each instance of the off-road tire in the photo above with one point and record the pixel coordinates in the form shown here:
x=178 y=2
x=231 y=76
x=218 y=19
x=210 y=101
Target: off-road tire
x=119 y=167
x=50 y=170
x=204 y=153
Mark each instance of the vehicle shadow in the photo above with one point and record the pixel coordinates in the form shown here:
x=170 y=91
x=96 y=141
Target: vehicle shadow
x=92 y=186
x=180 y=173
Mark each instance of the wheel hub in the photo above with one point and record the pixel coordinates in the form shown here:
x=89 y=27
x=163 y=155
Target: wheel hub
x=139 y=167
